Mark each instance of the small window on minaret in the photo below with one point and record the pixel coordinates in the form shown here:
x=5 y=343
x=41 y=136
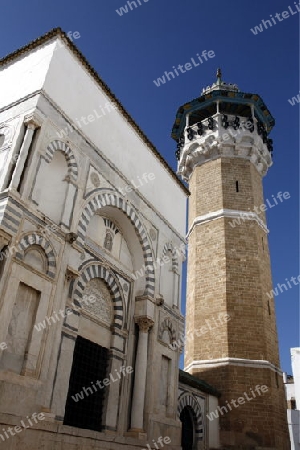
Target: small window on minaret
x=269 y=309
x=237 y=186
x=276 y=378
x=262 y=241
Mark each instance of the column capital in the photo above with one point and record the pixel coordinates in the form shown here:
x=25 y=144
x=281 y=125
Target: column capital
x=144 y=323
x=4 y=239
x=71 y=274
x=33 y=120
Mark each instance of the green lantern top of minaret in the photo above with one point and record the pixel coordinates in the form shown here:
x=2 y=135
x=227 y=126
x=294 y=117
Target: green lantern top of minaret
x=227 y=99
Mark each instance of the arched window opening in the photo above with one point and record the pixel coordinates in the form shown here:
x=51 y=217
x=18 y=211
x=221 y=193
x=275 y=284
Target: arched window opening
x=91 y=397
x=108 y=241
x=35 y=257
x=105 y=233
x=188 y=429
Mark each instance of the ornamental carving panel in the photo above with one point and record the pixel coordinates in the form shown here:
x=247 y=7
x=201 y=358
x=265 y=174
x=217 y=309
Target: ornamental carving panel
x=144 y=323
x=6 y=135
x=95 y=180
x=97 y=300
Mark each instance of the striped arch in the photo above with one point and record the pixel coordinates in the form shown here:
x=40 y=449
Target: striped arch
x=167 y=325
x=36 y=239
x=63 y=147
x=187 y=399
x=169 y=247
x=115 y=200
x=98 y=271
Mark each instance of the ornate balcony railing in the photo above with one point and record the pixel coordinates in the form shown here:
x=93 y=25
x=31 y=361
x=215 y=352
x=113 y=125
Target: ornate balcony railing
x=219 y=122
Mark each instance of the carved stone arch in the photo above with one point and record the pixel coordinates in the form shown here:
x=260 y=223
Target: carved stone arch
x=245 y=139
x=36 y=239
x=98 y=271
x=168 y=247
x=187 y=151
x=187 y=399
x=167 y=325
x=193 y=147
x=63 y=147
x=100 y=200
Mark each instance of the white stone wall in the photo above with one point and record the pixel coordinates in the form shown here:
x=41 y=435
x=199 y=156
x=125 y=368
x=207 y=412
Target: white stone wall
x=295 y=354
x=293 y=417
x=54 y=69
x=49 y=186
x=289 y=391
x=25 y=75
x=292 y=392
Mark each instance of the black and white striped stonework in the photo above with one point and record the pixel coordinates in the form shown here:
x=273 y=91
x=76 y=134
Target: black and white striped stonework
x=187 y=399
x=98 y=271
x=168 y=247
x=63 y=147
x=10 y=215
x=35 y=239
x=105 y=199
x=167 y=325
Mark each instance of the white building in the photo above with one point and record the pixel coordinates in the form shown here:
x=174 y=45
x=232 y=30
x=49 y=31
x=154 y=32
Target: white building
x=91 y=255
x=292 y=390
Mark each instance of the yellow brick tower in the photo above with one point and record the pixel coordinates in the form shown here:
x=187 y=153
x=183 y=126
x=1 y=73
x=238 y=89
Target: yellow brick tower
x=223 y=153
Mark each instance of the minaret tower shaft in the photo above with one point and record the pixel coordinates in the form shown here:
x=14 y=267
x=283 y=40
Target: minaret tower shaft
x=223 y=153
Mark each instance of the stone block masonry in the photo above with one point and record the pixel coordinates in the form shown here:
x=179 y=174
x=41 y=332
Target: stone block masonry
x=229 y=272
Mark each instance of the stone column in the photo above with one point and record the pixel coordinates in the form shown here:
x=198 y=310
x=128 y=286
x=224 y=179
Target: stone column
x=31 y=123
x=176 y=281
x=62 y=378
x=66 y=342
x=113 y=400
x=139 y=390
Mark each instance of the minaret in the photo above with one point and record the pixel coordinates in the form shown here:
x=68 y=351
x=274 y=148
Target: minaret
x=223 y=153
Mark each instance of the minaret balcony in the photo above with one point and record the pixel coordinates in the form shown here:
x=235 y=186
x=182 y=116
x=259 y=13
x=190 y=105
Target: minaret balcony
x=224 y=135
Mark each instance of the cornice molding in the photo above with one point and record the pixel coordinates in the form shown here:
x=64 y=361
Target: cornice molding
x=253 y=363
x=230 y=214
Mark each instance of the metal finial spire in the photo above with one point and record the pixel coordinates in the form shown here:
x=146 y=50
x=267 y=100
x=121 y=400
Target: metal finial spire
x=219 y=76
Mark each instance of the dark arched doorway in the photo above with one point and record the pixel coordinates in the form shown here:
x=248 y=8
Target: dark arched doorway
x=188 y=434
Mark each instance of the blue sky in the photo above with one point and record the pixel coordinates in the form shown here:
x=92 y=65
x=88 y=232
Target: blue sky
x=132 y=50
